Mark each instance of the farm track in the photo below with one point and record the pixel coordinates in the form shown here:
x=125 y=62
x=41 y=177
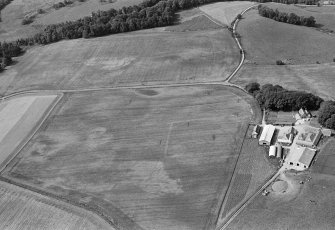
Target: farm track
x=226 y=82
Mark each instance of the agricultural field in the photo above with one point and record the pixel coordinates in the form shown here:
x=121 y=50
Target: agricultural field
x=12 y=15
x=325 y=160
x=125 y=59
x=21 y=209
x=157 y=158
x=316 y=78
x=288 y=210
x=266 y=41
x=324 y=15
x=200 y=22
x=18 y=117
x=252 y=171
x=225 y=12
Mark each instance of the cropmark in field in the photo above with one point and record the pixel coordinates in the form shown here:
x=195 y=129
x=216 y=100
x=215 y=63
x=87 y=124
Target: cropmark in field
x=149 y=159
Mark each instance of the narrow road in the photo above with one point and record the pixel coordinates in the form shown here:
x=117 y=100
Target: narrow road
x=225 y=82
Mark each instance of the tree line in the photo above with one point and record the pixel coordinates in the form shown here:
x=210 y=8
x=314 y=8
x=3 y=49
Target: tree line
x=291 y=18
x=276 y=98
x=327 y=114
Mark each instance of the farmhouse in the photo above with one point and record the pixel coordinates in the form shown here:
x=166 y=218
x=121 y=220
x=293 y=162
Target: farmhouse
x=310 y=137
x=300 y=159
x=267 y=135
x=285 y=137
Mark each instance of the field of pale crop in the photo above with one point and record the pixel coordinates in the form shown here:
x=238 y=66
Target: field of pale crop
x=18 y=117
x=226 y=12
x=266 y=41
x=324 y=15
x=316 y=78
x=21 y=209
x=12 y=15
x=128 y=59
x=151 y=158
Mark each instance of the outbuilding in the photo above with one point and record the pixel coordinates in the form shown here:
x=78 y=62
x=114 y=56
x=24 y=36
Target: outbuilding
x=300 y=159
x=272 y=151
x=279 y=150
x=267 y=134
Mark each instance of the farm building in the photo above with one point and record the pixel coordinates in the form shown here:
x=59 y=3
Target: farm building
x=272 y=151
x=326 y=132
x=310 y=137
x=285 y=137
x=256 y=131
x=267 y=135
x=300 y=159
x=279 y=150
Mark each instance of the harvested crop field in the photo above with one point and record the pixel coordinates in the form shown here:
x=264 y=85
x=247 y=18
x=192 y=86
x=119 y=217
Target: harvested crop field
x=226 y=12
x=18 y=117
x=266 y=41
x=310 y=207
x=150 y=159
x=21 y=209
x=129 y=59
x=317 y=78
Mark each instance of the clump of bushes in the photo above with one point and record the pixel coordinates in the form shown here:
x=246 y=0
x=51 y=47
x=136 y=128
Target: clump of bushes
x=291 y=18
x=275 y=97
x=27 y=20
x=280 y=62
x=327 y=114
x=62 y=4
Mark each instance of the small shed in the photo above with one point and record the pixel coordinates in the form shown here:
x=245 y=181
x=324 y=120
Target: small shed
x=279 y=150
x=272 y=151
x=326 y=132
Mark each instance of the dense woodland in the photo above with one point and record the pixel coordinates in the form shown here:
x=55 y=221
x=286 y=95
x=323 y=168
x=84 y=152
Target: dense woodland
x=327 y=114
x=275 y=97
x=291 y=18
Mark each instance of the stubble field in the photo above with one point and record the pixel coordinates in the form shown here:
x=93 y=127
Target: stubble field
x=131 y=59
x=21 y=209
x=150 y=159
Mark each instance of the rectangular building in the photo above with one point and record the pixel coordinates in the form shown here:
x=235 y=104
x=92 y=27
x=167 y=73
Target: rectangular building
x=300 y=159
x=267 y=135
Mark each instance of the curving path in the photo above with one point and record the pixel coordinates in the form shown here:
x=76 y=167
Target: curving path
x=226 y=82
